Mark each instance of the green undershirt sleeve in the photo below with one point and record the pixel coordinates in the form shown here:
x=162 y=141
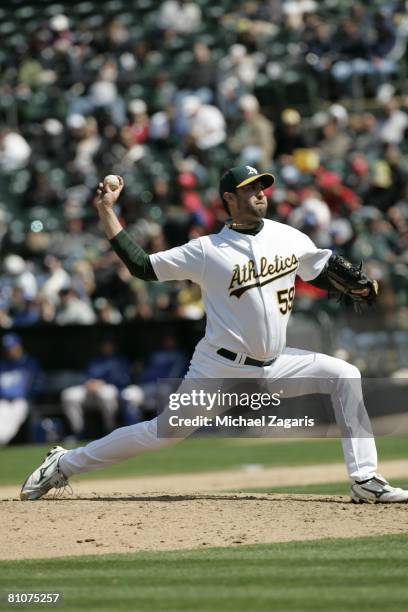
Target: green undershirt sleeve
x=133 y=256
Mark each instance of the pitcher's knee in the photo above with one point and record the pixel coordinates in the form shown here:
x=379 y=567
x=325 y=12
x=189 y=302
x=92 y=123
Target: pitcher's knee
x=151 y=436
x=338 y=368
x=348 y=370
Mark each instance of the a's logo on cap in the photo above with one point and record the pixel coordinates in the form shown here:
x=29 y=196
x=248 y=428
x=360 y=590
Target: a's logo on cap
x=251 y=170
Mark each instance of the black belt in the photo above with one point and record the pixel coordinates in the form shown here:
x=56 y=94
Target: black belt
x=248 y=360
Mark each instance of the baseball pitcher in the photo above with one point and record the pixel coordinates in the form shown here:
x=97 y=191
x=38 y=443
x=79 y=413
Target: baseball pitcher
x=247 y=276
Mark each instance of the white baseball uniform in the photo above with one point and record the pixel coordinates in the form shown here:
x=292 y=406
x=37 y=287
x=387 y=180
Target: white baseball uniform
x=247 y=283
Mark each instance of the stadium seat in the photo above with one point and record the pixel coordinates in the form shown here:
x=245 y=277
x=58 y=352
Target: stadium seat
x=112 y=7
x=83 y=8
x=55 y=9
x=7 y=28
x=24 y=13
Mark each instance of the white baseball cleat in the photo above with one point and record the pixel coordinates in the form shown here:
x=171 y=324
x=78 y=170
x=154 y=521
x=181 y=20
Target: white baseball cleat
x=48 y=476
x=377 y=490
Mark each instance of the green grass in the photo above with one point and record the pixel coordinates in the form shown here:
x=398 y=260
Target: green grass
x=335 y=575
x=202 y=454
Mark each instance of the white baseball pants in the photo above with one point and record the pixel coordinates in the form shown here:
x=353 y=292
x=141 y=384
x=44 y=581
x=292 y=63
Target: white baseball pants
x=309 y=371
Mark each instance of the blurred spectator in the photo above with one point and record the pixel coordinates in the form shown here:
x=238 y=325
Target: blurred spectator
x=352 y=57
x=164 y=90
x=61 y=35
x=139 y=121
x=118 y=37
x=21 y=379
x=14 y=150
x=319 y=55
x=57 y=278
x=340 y=199
x=201 y=77
x=205 y=123
x=253 y=139
x=85 y=133
x=366 y=136
x=129 y=152
x=190 y=303
x=295 y=10
x=385 y=38
x=240 y=64
x=168 y=95
x=106 y=313
x=313 y=217
x=18 y=274
x=181 y=16
x=190 y=198
x=75 y=240
x=105 y=377
x=24 y=311
x=288 y=135
x=102 y=95
x=358 y=175
x=335 y=142
x=72 y=310
x=386 y=185
x=168 y=362
x=41 y=193
x=376 y=243
x=229 y=93
x=393 y=123
x=83 y=278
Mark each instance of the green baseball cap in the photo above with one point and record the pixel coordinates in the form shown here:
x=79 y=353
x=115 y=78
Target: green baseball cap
x=239 y=176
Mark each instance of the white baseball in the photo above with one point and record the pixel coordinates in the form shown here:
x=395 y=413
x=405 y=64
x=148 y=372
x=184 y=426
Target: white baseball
x=112 y=180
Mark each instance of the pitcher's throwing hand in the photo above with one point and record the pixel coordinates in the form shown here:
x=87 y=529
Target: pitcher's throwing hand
x=108 y=191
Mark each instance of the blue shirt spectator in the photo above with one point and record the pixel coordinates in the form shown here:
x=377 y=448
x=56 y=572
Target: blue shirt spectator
x=167 y=362
x=106 y=376
x=21 y=379
x=110 y=367
x=20 y=374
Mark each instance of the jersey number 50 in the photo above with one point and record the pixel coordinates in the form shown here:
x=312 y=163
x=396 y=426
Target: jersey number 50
x=285 y=299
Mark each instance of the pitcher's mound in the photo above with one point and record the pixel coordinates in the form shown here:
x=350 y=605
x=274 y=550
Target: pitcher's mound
x=122 y=523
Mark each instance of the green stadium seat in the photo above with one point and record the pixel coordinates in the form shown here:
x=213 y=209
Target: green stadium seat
x=56 y=9
x=94 y=21
x=137 y=31
x=7 y=28
x=83 y=8
x=144 y=5
x=136 y=90
x=16 y=40
x=58 y=178
x=24 y=13
x=126 y=18
x=300 y=89
x=112 y=7
x=150 y=69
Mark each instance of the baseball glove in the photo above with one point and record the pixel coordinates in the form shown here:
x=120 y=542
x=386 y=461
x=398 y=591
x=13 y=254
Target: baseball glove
x=349 y=279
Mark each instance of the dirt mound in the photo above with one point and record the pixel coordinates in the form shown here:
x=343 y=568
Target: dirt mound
x=121 y=516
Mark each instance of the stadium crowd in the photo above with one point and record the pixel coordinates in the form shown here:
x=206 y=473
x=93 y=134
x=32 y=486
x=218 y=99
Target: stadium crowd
x=169 y=96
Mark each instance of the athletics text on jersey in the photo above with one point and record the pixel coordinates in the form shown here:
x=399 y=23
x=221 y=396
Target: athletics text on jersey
x=251 y=275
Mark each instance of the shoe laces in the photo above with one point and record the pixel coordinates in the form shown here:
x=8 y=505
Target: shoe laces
x=62 y=489
x=60 y=484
